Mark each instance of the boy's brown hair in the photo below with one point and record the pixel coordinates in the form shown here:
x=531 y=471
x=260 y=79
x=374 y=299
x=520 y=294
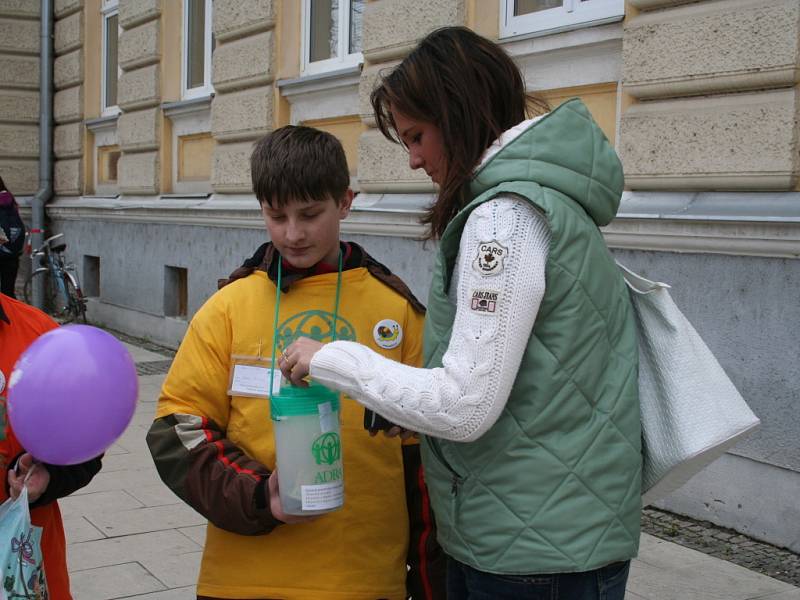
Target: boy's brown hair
x=298 y=163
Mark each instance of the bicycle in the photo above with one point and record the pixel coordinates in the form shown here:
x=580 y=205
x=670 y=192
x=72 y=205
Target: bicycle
x=63 y=298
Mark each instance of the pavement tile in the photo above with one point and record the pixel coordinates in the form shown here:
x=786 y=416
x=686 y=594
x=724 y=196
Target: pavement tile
x=127 y=461
x=142 y=355
x=151 y=547
x=86 y=504
x=196 y=533
x=156 y=494
x=116 y=449
x=142 y=420
x=78 y=529
x=175 y=570
x=133 y=442
x=104 y=482
x=184 y=593
x=118 y=581
x=142 y=520
x=150 y=388
x=788 y=595
x=667 y=571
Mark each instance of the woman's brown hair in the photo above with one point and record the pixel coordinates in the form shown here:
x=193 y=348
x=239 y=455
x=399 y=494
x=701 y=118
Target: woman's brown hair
x=471 y=90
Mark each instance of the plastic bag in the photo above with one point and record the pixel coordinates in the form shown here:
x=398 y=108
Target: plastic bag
x=20 y=552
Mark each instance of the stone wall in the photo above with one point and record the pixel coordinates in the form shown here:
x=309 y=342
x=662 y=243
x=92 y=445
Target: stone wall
x=738 y=61
x=390 y=32
x=140 y=123
x=68 y=108
x=242 y=110
x=19 y=95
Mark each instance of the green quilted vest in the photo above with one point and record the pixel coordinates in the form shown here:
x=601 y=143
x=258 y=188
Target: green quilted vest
x=554 y=485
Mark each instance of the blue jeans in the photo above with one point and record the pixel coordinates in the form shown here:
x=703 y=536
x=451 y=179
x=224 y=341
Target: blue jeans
x=605 y=583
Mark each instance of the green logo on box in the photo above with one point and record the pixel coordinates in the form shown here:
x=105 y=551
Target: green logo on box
x=327 y=449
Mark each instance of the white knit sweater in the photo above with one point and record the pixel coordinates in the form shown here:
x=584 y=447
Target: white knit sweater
x=461 y=400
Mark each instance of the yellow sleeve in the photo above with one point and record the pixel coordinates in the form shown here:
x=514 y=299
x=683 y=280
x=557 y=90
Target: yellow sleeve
x=197 y=382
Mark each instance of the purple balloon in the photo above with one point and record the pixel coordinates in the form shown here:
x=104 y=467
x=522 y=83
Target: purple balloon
x=71 y=394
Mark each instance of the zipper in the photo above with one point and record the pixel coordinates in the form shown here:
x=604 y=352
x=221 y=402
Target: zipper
x=455 y=478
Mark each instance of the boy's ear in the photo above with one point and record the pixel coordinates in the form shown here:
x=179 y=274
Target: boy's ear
x=346 y=204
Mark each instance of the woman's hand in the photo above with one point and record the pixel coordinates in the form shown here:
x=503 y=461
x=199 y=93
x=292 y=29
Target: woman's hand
x=395 y=431
x=275 y=504
x=295 y=362
x=37 y=482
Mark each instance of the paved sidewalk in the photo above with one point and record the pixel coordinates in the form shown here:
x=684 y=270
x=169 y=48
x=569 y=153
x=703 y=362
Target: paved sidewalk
x=130 y=537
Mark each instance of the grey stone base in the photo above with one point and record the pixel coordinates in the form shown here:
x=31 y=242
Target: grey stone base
x=166 y=331
x=755 y=498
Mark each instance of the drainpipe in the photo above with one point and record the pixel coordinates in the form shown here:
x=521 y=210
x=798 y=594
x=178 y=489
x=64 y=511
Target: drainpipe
x=45 y=191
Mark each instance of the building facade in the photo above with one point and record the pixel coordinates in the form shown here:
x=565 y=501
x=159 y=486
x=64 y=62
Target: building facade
x=158 y=102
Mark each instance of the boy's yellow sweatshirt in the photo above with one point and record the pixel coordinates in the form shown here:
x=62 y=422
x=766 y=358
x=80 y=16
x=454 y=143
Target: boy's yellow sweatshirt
x=216 y=450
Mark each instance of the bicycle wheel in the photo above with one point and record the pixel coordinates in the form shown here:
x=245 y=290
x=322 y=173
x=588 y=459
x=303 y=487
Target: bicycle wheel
x=75 y=309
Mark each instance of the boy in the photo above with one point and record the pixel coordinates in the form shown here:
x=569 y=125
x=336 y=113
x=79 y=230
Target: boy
x=213 y=443
x=20 y=326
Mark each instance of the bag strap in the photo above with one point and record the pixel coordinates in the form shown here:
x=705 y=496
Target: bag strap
x=638 y=284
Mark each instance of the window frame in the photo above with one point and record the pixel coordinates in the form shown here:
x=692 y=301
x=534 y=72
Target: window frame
x=207 y=88
x=343 y=59
x=573 y=14
x=108 y=9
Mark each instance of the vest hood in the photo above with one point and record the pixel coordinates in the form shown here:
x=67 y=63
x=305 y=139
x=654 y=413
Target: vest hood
x=564 y=150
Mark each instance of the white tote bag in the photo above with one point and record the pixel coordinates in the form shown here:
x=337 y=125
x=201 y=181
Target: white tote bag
x=691 y=411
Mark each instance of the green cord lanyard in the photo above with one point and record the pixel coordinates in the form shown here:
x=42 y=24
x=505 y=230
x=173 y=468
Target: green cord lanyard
x=278 y=307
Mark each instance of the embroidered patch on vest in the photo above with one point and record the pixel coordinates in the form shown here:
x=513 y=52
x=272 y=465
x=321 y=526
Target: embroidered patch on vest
x=387 y=334
x=484 y=301
x=490 y=258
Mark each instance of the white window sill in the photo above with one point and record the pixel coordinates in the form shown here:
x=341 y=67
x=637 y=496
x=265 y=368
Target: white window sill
x=188 y=106
x=571 y=58
x=322 y=95
x=102 y=124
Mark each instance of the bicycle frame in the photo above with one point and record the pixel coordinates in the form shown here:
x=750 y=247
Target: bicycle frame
x=52 y=263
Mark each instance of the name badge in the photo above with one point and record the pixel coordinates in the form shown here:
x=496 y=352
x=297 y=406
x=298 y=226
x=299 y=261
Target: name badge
x=253 y=380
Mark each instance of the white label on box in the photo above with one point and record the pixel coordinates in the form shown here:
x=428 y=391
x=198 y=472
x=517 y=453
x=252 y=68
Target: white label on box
x=322 y=496
x=250 y=380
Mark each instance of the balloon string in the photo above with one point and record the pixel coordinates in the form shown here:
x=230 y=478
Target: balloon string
x=29 y=473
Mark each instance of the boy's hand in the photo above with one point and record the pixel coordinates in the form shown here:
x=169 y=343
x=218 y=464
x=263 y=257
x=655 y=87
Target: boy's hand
x=295 y=362
x=275 y=504
x=37 y=483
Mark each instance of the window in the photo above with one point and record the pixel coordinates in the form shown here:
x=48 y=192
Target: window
x=518 y=17
x=110 y=67
x=331 y=34
x=198 y=46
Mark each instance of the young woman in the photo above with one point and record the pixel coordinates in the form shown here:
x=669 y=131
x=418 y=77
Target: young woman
x=528 y=401
x=12 y=240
